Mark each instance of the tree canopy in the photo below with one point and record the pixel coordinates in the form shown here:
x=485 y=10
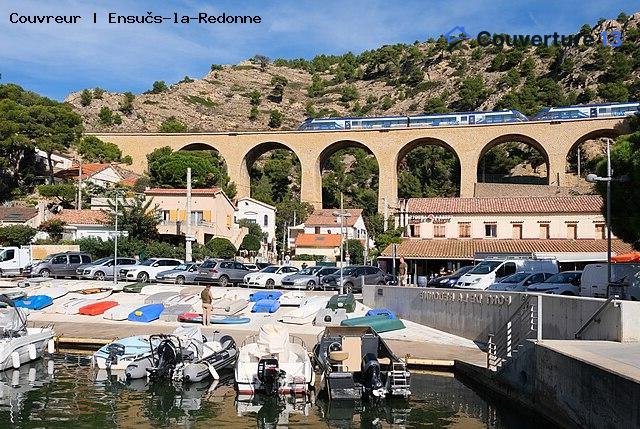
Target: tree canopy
x=92 y=149
x=16 y=235
x=138 y=217
x=168 y=169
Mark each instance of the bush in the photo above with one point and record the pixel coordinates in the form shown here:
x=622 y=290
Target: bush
x=317 y=86
x=253 y=113
x=126 y=106
x=158 y=87
x=305 y=257
x=251 y=243
x=387 y=102
x=220 y=248
x=85 y=97
x=97 y=93
x=172 y=125
x=117 y=120
x=54 y=228
x=275 y=119
x=614 y=91
x=186 y=79
x=105 y=116
x=348 y=93
x=216 y=67
x=16 y=235
x=255 y=97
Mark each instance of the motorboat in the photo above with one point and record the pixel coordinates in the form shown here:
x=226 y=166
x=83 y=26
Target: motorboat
x=306 y=312
x=160 y=288
x=357 y=363
x=19 y=344
x=273 y=362
x=184 y=356
x=71 y=306
x=120 y=312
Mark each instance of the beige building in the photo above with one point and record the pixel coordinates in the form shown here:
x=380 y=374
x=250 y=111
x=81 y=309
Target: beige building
x=574 y=217
x=327 y=245
x=326 y=221
x=212 y=214
x=20 y=216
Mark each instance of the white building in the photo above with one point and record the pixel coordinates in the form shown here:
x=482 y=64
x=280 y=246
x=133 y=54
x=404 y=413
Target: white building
x=327 y=221
x=84 y=224
x=99 y=174
x=260 y=213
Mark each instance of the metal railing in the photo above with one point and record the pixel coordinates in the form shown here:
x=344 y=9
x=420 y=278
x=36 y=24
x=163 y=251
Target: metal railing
x=595 y=317
x=523 y=325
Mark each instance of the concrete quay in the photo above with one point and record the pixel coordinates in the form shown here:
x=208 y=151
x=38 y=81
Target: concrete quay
x=424 y=346
x=592 y=383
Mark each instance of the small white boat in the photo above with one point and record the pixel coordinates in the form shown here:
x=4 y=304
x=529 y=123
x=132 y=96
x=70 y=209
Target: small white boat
x=119 y=354
x=160 y=288
x=228 y=306
x=160 y=298
x=306 y=312
x=120 y=312
x=94 y=294
x=52 y=292
x=273 y=363
x=71 y=306
x=293 y=298
x=19 y=344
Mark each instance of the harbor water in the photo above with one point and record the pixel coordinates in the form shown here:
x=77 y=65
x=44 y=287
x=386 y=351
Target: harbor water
x=66 y=392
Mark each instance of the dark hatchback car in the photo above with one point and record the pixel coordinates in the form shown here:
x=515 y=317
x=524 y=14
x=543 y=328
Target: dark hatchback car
x=450 y=280
x=352 y=278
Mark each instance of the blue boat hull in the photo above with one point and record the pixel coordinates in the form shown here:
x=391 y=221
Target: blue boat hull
x=36 y=302
x=272 y=295
x=266 y=306
x=147 y=313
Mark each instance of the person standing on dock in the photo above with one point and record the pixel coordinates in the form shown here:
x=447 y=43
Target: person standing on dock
x=205 y=295
x=402 y=273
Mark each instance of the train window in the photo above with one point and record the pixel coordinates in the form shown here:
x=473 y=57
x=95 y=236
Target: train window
x=602 y=110
x=463 y=119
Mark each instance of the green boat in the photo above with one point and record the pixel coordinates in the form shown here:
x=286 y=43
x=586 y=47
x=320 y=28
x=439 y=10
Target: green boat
x=134 y=287
x=346 y=301
x=379 y=323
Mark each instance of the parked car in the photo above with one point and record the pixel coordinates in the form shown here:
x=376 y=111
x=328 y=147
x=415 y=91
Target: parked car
x=58 y=265
x=221 y=272
x=519 y=282
x=269 y=277
x=490 y=270
x=308 y=278
x=564 y=283
x=102 y=268
x=594 y=281
x=450 y=280
x=352 y=278
x=183 y=273
x=252 y=267
x=147 y=270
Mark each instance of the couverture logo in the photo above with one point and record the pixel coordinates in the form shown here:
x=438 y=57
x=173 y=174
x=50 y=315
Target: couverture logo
x=485 y=38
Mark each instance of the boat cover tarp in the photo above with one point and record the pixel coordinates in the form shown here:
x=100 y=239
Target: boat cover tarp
x=379 y=323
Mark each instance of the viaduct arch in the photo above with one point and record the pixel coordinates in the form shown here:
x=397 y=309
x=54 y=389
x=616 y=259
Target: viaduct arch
x=555 y=139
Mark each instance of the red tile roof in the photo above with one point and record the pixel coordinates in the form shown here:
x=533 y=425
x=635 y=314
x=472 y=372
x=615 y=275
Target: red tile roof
x=466 y=249
x=573 y=204
x=326 y=217
x=88 y=170
x=318 y=240
x=129 y=181
x=82 y=217
x=181 y=191
x=17 y=214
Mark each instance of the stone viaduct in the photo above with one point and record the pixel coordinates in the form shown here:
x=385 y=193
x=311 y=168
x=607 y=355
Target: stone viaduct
x=554 y=140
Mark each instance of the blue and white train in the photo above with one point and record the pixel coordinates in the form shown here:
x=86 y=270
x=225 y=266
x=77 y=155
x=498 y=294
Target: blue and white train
x=587 y=111
x=472 y=118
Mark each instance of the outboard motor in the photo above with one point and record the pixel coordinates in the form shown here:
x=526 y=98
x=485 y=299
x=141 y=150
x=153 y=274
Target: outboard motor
x=371 y=376
x=269 y=374
x=115 y=350
x=167 y=357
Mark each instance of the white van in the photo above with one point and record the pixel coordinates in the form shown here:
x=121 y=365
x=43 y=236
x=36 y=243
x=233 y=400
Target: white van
x=488 y=271
x=13 y=260
x=594 y=278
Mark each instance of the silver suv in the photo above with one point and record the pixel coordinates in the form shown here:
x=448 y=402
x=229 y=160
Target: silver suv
x=221 y=272
x=58 y=265
x=102 y=268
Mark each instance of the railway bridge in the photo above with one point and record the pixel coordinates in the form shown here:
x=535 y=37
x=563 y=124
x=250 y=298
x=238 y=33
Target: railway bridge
x=553 y=139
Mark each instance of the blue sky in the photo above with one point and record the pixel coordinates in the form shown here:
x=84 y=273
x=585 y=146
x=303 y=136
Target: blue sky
x=56 y=59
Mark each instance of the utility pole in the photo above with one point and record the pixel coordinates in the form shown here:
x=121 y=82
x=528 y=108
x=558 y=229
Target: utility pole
x=342 y=215
x=115 y=247
x=188 y=238
x=386 y=215
x=79 y=205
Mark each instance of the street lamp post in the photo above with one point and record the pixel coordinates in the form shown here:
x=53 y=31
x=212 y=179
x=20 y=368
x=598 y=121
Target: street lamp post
x=592 y=178
x=115 y=247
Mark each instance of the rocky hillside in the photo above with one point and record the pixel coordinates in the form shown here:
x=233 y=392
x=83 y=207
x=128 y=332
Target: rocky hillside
x=393 y=80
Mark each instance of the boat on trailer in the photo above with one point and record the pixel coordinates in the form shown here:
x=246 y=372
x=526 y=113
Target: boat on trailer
x=274 y=363
x=357 y=363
